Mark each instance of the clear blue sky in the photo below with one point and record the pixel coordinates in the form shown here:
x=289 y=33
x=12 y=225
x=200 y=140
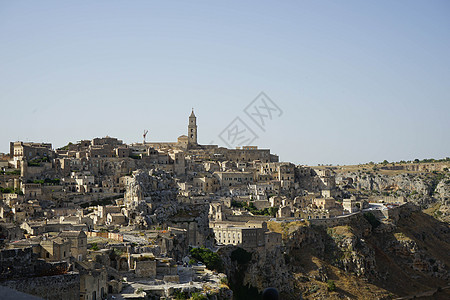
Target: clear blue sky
x=357 y=81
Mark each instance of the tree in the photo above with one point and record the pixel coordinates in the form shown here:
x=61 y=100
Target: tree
x=210 y=259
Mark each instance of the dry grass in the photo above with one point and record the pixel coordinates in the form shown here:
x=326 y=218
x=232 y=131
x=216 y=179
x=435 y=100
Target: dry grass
x=348 y=286
x=342 y=231
x=286 y=228
x=431 y=210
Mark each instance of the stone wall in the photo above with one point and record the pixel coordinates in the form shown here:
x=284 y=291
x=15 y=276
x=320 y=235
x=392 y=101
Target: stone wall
x=392 y=214
x=146 y=268
x=338 y=221
x=66 y=286
x=107 y=235
x=15 y=262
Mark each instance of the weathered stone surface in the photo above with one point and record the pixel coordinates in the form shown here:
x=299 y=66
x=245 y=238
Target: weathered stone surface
x=66 y=286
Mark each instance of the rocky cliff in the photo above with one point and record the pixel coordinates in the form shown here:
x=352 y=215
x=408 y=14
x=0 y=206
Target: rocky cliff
x=363 y=260
x=427 y=190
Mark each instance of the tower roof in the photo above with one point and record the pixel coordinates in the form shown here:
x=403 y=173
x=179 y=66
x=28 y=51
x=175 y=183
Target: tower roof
x=192 y=114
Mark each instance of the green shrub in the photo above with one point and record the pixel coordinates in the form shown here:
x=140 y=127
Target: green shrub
x=210 y=259
x=331 y=286
x=15 y=172
x=179 y=295
x=198 y=296
x=94 y=247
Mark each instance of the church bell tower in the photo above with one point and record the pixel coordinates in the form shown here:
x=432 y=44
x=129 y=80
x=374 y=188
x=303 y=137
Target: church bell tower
x=192 y=129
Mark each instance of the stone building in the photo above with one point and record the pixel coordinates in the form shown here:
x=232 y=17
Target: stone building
x=144 y=265
x=116 y=219
x=93 y=280
x=31 y=190
x=21 y=270
x=284 y=212
x=78 y=243
x=21 y=151
x=231 y=178
x=192 y=129
x=324 y=203
x=244 y=234
x=55 y=249
x=207 y=184
x=351 y=204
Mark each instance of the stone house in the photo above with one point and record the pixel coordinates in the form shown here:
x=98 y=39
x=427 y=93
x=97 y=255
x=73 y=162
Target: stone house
x=206 y=184
x=10 y=232
x=144 y=265
x=351 y=205
x=31 y=190
x=275 y=201
x=272 y=239
x=116 y=219
x=284 y=212
x=324 y=203
x=102 y=213
x=78 y=243
x=233 y=178
x=55 y=249
x=93 y=280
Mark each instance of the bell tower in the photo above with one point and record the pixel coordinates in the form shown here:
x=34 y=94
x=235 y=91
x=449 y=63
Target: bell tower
x=192 y=129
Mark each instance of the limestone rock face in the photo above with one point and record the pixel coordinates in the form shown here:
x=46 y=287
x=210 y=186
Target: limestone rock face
x=443 y=194
x=423 y=189
x=443 y=189
x=397 y=254
x=380 y=182
x=150 y=197
x=152 y=184
x=264 y=269
x=269 y=269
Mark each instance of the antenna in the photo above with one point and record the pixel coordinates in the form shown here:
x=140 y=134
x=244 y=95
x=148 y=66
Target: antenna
x=145 y=134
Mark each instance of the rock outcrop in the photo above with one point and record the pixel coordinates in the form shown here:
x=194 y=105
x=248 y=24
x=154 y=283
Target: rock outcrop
x=400 y=258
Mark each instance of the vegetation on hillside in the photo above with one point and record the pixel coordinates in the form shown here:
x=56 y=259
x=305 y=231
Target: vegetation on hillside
x=269 y=211
x=211 y=259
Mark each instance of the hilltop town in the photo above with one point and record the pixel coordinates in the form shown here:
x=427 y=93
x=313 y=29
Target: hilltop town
x=99 y=218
